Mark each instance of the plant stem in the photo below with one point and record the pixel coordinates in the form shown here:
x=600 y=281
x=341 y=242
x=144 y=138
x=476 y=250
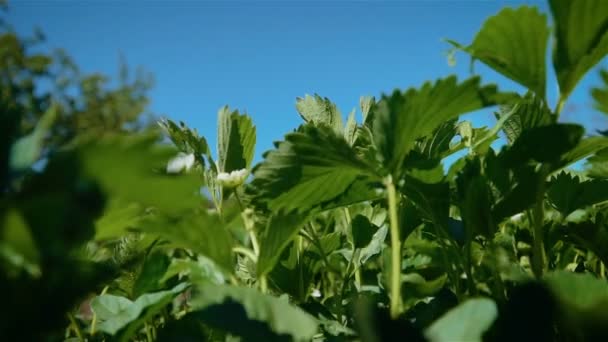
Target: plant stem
x=357 y=268
x=560 y=105
x=246 y=252
x=538 y=213
x=149 y=337
x=395 y=250
x=94 y=321
x=75 y=327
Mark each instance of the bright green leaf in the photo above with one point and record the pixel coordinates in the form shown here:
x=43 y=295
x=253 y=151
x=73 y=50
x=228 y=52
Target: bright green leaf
x=235 y=140
x=319 y=111
x=514 y=43
x=403 y=117
x=466 y=322
x=26 y=151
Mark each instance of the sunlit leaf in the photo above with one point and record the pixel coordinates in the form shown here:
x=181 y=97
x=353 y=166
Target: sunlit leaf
x=403 y=117
x=319 y=111
x=236 y=137
x=466 y=322
x=514 y=43
x=311 y=168
x=600 y=95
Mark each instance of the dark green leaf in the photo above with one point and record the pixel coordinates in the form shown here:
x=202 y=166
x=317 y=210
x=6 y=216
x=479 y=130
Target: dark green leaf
x=567 y=193
x=280 y=230
x=600 y=95
x=246 y=306
x=152 y=271
x=581 y=33
x=363 y=231
x=545 y=144
x=529 y=112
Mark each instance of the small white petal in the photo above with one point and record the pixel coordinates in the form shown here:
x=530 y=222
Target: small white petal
x=316 y=293
x=180 y=162
x=232 y=179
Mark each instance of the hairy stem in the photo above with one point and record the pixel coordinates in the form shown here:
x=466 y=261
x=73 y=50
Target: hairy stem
x=395 y=250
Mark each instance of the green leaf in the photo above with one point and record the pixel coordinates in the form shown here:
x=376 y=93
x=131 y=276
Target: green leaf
x=26 y=151
x=186 y=140
x=17 y=245
x=475 y=201
x=118 y=217
x=132 y=168
x=366 y=103
x=589 y=231
x=280 y=230
x=529 y=112
x=514 y=43
x=585 y=148
x=403 y=117
x=583 y=299
x=195 y=230
x=545 y=144
x=363 y=231
x=116 y=313
x=467 y=322
x=567 y=193
x=311 y=168
x=235 y=140
x=247 y=308
x=350 y=131
x=431 y=199
x=581 y=34
x=319 y=110
x=152 y=271
x=600 y=95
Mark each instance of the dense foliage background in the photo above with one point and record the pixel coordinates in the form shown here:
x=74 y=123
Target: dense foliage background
x=347 y=230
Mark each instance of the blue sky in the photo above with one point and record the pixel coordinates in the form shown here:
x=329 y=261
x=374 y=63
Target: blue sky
x=259 y=56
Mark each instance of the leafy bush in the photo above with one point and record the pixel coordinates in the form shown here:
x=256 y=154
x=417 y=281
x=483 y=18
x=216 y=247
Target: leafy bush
x=346 y=230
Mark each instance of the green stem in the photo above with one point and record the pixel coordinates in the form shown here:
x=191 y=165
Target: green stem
x=560 y=105
x=149 y=337
x=395 y=250
x=94 y=321
x=538 y=213
x=246 y=252
x=75 y=327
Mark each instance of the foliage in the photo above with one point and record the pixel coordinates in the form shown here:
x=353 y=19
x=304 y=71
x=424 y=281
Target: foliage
x=348 y=230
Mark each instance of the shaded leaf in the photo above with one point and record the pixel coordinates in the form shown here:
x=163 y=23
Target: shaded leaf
x=245 y=307
x=195 y=230
x=581 y=33
x=567 y=192
x=600 y=95
x=363 y=231
x=280 y=230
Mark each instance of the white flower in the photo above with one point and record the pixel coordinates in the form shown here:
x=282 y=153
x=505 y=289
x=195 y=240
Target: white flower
x=517 y=217
x=180 y=162
x=316 y=293
x=232 y=179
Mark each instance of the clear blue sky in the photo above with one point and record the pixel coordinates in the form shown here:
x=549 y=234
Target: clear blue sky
x=259 y=56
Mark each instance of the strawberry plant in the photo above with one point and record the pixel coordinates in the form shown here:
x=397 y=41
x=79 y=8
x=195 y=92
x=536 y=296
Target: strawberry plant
x=347 y=230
